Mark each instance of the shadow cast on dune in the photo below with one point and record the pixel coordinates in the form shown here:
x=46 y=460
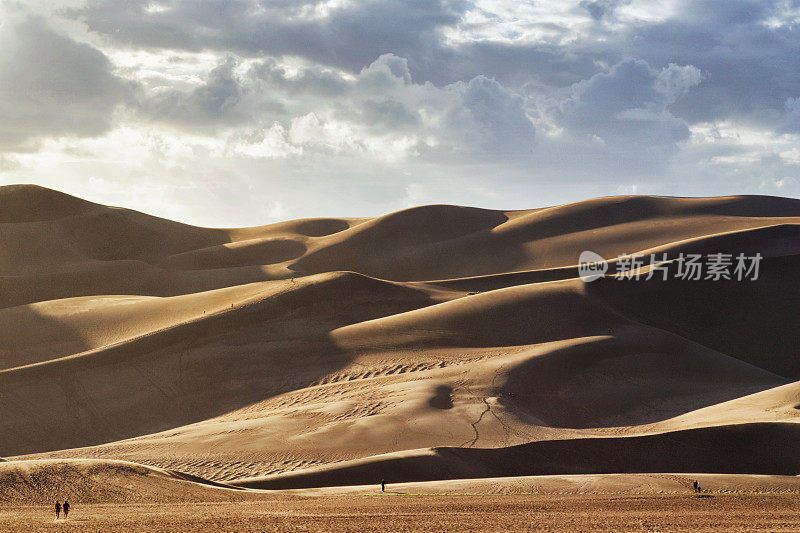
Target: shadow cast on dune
x=754 y=321
x=243 y=253
x=194 y=370
x=725 y=449
x=18 y=347
x=639 y=376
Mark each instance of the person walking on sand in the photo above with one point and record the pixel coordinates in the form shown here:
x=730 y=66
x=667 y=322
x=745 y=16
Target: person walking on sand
x=699 y=490
x=694 y=485
x=66 y=509
x=58 y=509
x=383 y=485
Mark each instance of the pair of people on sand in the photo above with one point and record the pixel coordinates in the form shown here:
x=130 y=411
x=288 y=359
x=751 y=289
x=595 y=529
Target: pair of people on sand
x=696 y=485
x=59 y=507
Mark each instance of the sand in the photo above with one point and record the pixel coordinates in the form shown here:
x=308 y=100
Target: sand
x=434 y=513
x=119 y=496
x=435 y=343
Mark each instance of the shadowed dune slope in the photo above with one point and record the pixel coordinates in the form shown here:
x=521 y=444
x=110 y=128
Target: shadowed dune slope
x=251 y=352
x=271 y=339
x=637 y=376
x=776 y=404
x=31 y=203
x=722 y=449
x=755 y=321
x=53 y=329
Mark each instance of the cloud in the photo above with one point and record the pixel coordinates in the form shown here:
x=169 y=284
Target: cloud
x=792 y=122
x=600 y=9
x=629 y=104
x=344 y=34
x=380 y=110
x=748 y=48
x=479 y=118
x=540 y=47
x=485 y=102
x=51 y=85
x=493 y=115
x=215 y=102
x=310 y=80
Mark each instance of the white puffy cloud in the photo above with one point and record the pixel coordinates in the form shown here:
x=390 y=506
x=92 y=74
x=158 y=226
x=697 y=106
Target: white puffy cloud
x=629 y=104
x=494 y=116
x=380 y=110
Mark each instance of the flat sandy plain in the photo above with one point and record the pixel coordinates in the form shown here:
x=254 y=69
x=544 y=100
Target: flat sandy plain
x=434 y=513
x=143 y=361
x=550 y=503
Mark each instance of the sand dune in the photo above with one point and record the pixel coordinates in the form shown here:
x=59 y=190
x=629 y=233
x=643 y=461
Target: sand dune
x=553 y=486
x=115 y=496
x=96 y=481
x=302 y=353
x=721 y=449
x=779 y=404
x=92 y=481
x=752 y=321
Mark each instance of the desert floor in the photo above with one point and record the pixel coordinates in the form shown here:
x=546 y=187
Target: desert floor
x=413 y=512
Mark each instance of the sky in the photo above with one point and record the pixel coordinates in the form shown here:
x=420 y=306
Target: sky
x=246 y=112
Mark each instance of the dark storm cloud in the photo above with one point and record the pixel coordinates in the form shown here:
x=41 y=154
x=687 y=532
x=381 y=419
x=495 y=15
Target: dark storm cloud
x=51 y=85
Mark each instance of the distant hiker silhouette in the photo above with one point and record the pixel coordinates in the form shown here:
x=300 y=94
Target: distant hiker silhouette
x=383 y=485
x=694 y=485
x=58 y=509
x=66 y=509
